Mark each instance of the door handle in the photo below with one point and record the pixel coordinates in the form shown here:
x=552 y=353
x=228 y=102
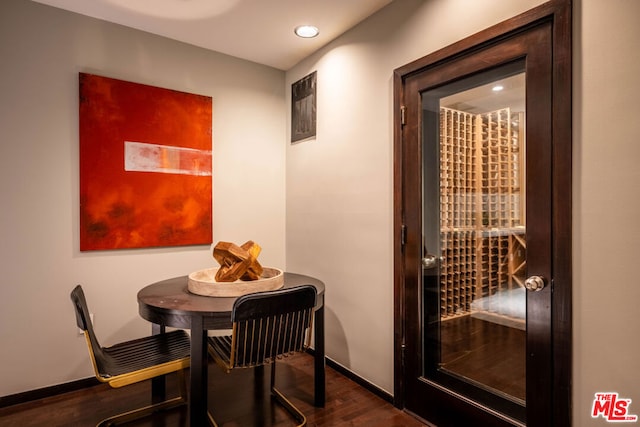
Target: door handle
x=535 y=283
x=430 y=261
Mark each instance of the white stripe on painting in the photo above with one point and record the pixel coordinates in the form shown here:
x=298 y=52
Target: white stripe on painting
x=144 y=157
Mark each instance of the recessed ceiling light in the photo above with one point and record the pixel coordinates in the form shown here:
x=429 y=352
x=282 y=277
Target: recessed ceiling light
x=497 y=88
x=306 y=31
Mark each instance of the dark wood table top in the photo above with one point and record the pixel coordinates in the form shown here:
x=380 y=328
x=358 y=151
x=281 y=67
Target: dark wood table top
x=169 y=302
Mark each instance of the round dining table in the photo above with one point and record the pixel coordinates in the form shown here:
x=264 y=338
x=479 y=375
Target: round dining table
x=169 y=303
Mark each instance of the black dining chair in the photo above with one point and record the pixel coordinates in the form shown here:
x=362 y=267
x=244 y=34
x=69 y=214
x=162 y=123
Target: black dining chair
x=267 y=326
x=134 y=361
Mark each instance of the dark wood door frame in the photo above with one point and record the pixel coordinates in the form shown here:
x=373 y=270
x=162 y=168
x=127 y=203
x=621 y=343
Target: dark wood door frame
x=558 y=13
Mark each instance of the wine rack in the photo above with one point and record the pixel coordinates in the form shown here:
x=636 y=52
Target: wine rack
x=482 y=209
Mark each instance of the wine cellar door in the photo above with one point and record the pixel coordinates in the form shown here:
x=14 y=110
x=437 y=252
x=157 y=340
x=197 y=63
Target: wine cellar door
x=476 y=235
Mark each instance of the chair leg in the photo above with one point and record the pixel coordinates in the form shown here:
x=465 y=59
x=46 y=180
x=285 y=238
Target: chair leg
x=182 y=383
x=212 y=422
x=150 y=409
x=282 y=400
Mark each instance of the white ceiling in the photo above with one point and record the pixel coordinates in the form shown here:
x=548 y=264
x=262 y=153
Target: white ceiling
x=482 y=99
x=255 y=30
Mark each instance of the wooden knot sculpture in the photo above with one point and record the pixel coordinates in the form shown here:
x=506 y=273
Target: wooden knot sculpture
x=237 y=262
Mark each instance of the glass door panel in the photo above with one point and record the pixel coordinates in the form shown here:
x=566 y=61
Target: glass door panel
x=474 y=228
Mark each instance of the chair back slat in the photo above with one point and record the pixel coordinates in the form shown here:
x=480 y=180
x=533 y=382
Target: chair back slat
x=270 y=325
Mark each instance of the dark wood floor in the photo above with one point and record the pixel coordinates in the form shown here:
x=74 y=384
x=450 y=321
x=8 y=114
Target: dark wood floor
x=485 y=352
x=235 y=400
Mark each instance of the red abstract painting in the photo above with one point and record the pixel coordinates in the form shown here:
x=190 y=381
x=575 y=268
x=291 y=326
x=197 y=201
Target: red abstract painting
x=145 y=166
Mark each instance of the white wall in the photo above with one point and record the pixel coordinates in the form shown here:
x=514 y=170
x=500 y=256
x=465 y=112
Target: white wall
x=42 y=49
x=339 y=185
x=606 y=295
